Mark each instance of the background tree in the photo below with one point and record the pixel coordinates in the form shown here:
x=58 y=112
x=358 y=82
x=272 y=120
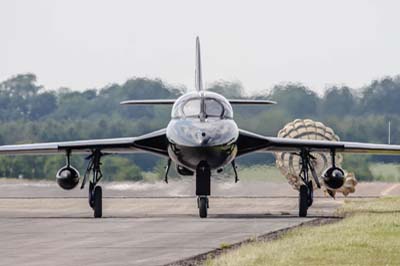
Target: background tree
x=297 y=100
x=30 y=113
x=338 y=102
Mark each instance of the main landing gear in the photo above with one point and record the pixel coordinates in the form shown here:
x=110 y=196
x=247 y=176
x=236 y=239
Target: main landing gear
x=306 y=191
x=203 y=177
x=95 y=191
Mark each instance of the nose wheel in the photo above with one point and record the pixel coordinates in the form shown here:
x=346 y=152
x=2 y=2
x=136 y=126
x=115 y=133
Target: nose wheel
x=202 y=203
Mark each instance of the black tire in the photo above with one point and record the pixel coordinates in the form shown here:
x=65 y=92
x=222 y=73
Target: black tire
x=303 y=201
x=310 y=197
x=97 y=202
x=203 y=205
x=91 y=200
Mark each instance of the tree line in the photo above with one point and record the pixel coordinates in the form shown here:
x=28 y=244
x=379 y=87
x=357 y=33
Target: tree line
x=31 y=113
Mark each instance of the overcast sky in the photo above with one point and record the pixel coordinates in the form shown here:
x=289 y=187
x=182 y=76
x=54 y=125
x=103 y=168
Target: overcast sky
x=86 y=44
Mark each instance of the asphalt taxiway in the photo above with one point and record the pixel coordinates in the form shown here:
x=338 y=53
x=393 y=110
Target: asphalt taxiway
x=145 y=224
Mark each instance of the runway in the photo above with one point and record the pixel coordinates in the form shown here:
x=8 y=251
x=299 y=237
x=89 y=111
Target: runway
x=145 y=224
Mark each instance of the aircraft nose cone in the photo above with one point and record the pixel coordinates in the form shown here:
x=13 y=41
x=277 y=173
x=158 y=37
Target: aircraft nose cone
x=203 y=137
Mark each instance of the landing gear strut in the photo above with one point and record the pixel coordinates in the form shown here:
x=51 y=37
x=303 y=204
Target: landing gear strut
x=95 y=191
x=203 y=176
x=306 y=191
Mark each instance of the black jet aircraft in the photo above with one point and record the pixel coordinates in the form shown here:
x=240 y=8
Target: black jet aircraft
x=200 y=139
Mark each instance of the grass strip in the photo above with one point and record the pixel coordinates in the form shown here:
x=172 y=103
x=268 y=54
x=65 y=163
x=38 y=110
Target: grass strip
x=369 y=235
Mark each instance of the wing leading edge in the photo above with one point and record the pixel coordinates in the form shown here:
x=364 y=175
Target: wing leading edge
x=251 y=142
x=154 y=142
x=172 y=101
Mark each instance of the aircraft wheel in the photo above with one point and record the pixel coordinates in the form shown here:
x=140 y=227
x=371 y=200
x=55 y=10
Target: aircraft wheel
x=97 y=202
x=310 y=197
x=91 y=199
x=203 y=205
x=303 y=200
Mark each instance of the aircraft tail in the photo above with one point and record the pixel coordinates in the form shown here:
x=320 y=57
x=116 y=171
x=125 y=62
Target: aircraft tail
x=198 y=74
x=199 y=87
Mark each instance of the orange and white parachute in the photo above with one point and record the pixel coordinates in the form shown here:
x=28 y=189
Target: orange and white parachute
x=289 y=163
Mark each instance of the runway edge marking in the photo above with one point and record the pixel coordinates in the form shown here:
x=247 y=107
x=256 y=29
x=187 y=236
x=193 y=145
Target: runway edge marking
x=389 y=189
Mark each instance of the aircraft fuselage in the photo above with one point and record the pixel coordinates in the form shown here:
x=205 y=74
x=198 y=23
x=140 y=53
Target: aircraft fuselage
x=193 y=141
x=202 y=130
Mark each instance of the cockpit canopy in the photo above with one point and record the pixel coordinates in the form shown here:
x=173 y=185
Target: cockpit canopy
x=189 y=105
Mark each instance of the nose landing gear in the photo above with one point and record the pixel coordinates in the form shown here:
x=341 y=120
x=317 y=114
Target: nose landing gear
x=203 y=176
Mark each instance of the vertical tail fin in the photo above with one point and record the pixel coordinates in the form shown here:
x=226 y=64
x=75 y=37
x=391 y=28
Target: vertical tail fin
x=198 y=81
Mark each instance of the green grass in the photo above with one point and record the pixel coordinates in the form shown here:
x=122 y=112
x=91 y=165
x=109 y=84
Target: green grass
x=369 y=235
x=385 y=172
x=150 y=177
x=261 y=172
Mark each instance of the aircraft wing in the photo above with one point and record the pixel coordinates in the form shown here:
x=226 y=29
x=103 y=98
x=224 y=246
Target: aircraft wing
x=172 y=101
x=251 y=142
x=154 y=142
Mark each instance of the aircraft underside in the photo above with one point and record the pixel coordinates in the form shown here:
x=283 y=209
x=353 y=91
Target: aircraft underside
x=190 y=157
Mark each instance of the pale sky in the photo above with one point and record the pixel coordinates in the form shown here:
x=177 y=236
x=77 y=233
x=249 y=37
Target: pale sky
x=90 y=43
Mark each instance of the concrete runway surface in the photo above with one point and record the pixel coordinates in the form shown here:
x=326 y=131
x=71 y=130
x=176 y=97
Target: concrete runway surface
x=145 y=224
